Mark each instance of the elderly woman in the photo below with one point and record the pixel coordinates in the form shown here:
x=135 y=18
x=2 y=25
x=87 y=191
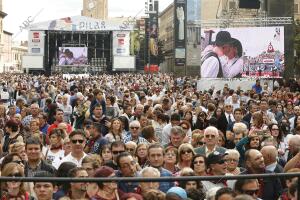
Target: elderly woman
x=185 y=155
x=232 y=161
x=13 y=190
x=108 y=190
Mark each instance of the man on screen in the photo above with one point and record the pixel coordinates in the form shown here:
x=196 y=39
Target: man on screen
x=66 y=58
x=213 y=57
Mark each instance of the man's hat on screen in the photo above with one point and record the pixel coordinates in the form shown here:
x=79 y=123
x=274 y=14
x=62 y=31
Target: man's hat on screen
x=222 y=38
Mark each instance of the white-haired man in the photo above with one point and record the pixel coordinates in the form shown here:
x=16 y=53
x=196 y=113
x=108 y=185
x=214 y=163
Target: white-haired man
x=148 y=172
x=134 y=134
x=211 y=142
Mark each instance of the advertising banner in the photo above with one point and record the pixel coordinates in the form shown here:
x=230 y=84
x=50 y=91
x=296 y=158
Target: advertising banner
x=179 y=31
x=121 y=43
x=36 y=43
x=242 y=52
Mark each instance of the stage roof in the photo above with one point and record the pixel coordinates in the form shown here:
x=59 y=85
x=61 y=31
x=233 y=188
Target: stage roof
x=82 y=23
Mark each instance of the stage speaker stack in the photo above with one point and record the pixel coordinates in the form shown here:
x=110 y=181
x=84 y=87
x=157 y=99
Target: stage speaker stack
x=249 y=4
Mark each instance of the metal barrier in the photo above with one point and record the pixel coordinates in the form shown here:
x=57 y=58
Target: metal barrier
x=160 y=179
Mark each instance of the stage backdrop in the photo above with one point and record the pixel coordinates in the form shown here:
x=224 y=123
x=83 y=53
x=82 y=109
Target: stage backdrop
x=254 y=51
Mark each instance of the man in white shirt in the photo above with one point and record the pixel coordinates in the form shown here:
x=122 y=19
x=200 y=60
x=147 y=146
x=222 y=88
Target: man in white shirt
x=166 y=132
x=77 y=154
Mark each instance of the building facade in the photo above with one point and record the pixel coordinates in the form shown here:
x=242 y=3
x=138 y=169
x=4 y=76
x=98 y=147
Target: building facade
x=166 y=35
x=97 y=9
x=297 y=9
x=18 y=50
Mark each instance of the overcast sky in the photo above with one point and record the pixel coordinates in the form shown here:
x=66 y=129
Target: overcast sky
x=19 y=10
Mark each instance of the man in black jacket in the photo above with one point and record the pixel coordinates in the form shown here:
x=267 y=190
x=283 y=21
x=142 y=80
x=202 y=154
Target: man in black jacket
x=35 y=163
x=269 y=188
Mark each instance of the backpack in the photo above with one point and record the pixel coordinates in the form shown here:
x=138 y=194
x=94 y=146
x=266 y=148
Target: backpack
x=213 y=54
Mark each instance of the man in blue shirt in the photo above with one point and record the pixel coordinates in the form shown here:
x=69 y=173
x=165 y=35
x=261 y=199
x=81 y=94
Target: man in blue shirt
x=156 y=160
x=257 y=87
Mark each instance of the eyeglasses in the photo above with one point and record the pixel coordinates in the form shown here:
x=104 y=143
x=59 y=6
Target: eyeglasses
x=117 y=152
x=231 y=160
x=170 y=154
x=221 y=162
x=275 y=129
x=250 y=192
x=198 y=162
x=210 y=136
x=135 y=128
x=186 y=151
x=129 y=149
x=15 y=175
x=75 y=141
x=200 y=143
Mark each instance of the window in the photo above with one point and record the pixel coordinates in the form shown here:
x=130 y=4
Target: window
x=296 y=8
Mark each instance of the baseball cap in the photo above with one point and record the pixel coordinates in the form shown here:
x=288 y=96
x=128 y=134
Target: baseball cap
x=178 y=191
x=215 y=157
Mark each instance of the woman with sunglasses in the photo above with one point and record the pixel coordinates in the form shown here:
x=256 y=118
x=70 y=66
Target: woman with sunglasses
x=185 y=155
x=14 y=190
x=201 y=122
x=198 y=165
x=12 y=157
x=108 y=190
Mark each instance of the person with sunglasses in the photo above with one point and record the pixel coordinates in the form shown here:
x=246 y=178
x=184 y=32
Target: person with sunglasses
x=198 y=165
x=134 y=134
x=211 y=135
x=215 y=166
x=77 y=154
x=117 y=147
x=248 y=187
x=254 y=164
x=185 y=155
x=13 y=189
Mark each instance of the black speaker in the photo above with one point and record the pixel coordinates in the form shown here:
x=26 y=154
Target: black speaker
x=249 y=4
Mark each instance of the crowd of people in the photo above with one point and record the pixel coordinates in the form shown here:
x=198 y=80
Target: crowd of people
x=147 y=125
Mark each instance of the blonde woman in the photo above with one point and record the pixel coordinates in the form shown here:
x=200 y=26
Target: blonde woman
x=13 y=190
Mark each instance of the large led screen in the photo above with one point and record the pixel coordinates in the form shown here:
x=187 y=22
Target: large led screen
x=73 y=56
x=242 y=52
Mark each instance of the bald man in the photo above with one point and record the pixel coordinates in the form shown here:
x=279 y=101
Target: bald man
x=270 y=155
x=294 y=154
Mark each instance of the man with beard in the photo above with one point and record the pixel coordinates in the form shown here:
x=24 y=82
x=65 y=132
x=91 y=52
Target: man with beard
x=269 y=188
